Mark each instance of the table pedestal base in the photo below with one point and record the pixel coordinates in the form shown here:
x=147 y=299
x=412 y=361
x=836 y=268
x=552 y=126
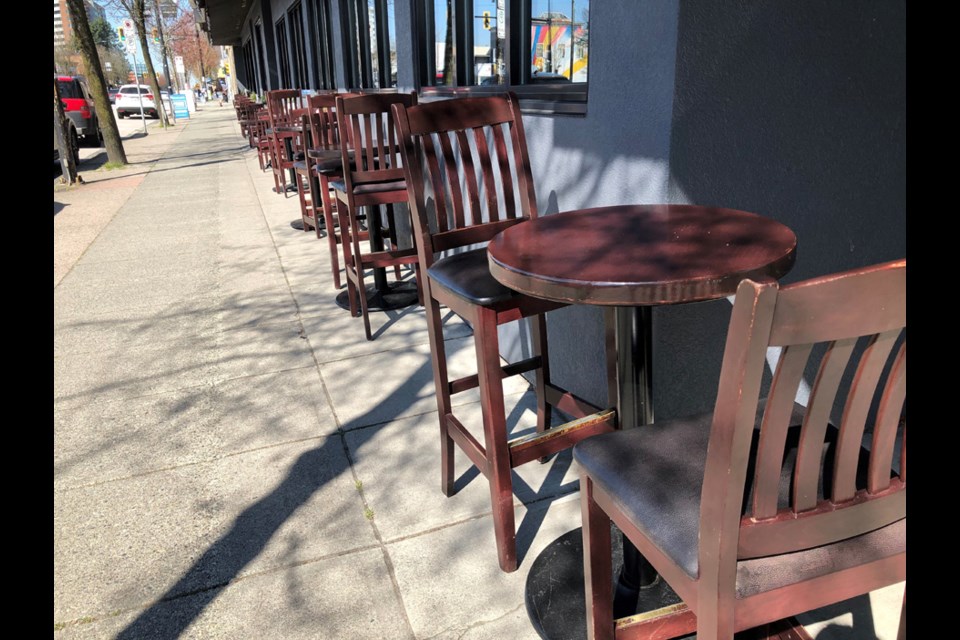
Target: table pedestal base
x=556 y=603
x=397 y=296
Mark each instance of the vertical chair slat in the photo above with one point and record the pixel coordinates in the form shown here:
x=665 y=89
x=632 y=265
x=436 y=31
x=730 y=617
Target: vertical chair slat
x=486 y=170
x=773 y=432
x=383 y=151
x=810 y=449
x=470 y=176
x=369 y=158
x=506 y=176
x=436 y=179
x=452 y=178
x=888 y=419
x=854 y=420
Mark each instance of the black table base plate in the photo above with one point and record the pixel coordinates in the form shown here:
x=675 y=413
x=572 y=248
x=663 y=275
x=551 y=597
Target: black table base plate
x=554 y=592
x=298 y=225
x=291 y=188
x=398 y=295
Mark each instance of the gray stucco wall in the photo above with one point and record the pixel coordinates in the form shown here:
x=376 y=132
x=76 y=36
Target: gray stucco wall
x=794 y=111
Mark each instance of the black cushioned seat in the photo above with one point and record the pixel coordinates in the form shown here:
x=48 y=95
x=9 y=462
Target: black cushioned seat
x=300 y=167
x=655 y=475
x=371 y=187
x=467 y=275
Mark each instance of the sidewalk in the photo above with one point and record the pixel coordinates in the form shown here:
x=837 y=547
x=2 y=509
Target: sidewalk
x=233 y=459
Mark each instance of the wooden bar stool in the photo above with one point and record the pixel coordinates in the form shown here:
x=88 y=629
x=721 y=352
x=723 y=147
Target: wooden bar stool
x=372 y=177
x=280 y=106
x=469 y=156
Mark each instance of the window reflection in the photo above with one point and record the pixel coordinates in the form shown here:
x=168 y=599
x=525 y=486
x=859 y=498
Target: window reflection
x=559 y=38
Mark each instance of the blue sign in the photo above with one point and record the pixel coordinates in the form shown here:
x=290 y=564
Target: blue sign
x=179 y=102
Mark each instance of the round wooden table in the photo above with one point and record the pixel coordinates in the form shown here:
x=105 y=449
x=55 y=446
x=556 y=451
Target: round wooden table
x=629 y=257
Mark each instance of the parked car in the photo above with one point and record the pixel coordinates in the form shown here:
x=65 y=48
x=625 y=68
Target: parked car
x=128 y=101
x=72 y=132
x=79 y=107
x=112 y=94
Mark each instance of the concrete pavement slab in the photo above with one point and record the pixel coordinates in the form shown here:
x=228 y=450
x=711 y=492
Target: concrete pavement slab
x=406 y=453
x=122 y=329
x=199 y=526
x=389 y=385
x=335 y=335
x=349 y=596
x=105 y=441
x=450 y=580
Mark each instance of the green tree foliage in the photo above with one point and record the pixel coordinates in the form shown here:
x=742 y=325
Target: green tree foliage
x=104 y=34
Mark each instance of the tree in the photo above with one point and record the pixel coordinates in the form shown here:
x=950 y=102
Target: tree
x=104 y=34
x=199 y=56
x=95 y=81
x=66 y=144
x=136 y=9
x=119 y=65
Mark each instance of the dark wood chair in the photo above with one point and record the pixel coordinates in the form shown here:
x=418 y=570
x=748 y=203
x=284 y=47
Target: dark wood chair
x=372 y=177
x=763 y=509
x=457 y=154
x=281 y=105
x=259 y=139
x=323 y=158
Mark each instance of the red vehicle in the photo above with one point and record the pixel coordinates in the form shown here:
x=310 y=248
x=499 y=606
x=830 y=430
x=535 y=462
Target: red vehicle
x=78 y=105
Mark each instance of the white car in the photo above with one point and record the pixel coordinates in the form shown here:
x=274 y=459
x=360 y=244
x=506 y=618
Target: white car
x=128 y=101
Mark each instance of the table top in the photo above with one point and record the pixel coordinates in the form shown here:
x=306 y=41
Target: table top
x=638 y=255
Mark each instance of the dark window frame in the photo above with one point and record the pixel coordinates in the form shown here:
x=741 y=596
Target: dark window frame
x=300 y=75
x=357 y=54
x=324 y=72
x=283 y=52
x=559 y=99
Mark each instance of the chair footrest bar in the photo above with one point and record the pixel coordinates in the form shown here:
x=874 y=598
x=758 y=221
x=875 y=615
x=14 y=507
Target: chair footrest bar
x=389 y=258
x=469 y=444
x=537 y=445
x=569 y=403
x=667 y=622
x=470 y=382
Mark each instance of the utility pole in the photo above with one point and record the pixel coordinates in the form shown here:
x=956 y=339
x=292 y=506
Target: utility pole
x=158 y=19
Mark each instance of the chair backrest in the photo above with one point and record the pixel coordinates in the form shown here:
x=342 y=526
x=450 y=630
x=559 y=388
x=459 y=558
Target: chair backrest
x=861 y=311
x=462 y=150
x=281 y=103
x=321 y=121
x=367 y=123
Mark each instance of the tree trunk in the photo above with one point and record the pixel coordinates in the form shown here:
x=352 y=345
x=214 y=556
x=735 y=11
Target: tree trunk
x=65 y=141
x=95 y=82
x=140 y=24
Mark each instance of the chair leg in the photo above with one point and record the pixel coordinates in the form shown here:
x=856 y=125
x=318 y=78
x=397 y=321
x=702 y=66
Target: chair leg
x=392 y=237
x=333 y=228
x=438 y=356
x=597 y=564
x=305 y=207
x=544 y=410
x=902 y=630
x=489 y=374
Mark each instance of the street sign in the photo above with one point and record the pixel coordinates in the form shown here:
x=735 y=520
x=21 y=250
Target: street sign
x=501 y=23
x=128 y=26
x=131 y=45
x=179 y=103
x=178 y=64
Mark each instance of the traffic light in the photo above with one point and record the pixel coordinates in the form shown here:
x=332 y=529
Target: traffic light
x=156 y=35
x=486 y=20
x=226 y=68
x=122 y=35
